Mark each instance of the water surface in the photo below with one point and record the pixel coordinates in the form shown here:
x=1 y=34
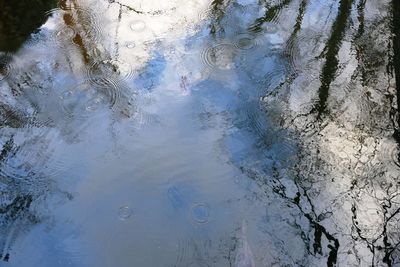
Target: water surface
x=199 y=133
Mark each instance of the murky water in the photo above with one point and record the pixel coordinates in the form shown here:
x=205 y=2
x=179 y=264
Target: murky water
x=200 y=133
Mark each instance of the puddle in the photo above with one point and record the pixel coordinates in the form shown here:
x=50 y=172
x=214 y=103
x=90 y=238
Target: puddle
x=199 y=133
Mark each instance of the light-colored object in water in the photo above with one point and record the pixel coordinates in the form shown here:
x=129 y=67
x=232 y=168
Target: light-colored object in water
x=244 y=257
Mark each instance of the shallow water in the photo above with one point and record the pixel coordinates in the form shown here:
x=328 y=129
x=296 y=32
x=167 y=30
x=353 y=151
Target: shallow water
x=200 y=133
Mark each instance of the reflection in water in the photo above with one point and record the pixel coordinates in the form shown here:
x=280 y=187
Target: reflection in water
x=331 y=50
x=19 y=19
x=207 y=133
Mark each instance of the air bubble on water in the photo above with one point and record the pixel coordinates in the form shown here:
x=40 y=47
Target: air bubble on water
x=137 y=25
x=125 y=212
x=200 y=213
x=130 y=45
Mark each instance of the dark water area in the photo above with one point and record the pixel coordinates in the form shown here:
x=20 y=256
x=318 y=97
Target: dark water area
x=199 y=133
x=19 y=19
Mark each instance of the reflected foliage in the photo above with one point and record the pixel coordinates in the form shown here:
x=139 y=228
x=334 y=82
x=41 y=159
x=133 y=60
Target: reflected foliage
x=18 y=19
x=271 y=14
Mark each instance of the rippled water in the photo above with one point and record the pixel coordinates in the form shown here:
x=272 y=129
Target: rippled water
x=200 y=133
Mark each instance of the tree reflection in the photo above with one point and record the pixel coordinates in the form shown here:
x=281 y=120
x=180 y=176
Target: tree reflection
x=322 y=144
